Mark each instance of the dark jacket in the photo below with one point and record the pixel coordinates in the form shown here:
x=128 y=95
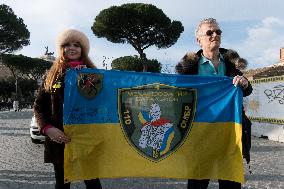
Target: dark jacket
x=233 y=62
x=48 y=109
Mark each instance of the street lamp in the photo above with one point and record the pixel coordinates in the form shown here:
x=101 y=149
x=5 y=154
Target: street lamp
x=16 y=83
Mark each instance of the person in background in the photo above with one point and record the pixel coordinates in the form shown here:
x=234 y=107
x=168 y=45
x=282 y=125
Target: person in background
x=72 y=48
x=16 y=105
x=215 y=61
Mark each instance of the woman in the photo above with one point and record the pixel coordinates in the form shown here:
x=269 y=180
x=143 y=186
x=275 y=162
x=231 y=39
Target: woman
x=72 y=47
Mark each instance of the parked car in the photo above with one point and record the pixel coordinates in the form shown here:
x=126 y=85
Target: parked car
x=36 y=136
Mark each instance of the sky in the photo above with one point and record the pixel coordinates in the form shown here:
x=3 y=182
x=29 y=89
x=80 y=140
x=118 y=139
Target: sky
x=254 y=28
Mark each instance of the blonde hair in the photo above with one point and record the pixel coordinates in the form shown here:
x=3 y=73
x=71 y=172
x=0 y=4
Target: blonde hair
x=205 y=21
x=59 y=66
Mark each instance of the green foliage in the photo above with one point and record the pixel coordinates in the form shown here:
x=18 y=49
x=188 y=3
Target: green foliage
x=13 y=32
x=141 y=25
x=7 y=87
x=26 y=88
x=21 y=65
x=133 y=63
x=39 y=68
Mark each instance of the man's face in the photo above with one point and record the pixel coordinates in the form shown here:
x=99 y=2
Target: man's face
x=208 y=37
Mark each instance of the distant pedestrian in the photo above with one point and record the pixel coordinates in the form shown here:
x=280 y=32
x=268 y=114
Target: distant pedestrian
x=16 y=105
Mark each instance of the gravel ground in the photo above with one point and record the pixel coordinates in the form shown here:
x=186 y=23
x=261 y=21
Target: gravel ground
x=21 y=163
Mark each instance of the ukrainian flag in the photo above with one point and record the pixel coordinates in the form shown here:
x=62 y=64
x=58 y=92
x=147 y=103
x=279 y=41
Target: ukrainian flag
x=120 y=129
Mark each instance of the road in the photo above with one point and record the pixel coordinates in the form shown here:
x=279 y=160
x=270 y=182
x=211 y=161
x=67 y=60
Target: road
x=21 y=163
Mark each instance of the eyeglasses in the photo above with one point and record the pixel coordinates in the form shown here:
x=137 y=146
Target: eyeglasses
x=211 y=32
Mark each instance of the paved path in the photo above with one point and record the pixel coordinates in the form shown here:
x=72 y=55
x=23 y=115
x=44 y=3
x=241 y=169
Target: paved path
x=21 y=163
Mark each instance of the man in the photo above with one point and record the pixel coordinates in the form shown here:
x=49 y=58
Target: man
x=216 y=61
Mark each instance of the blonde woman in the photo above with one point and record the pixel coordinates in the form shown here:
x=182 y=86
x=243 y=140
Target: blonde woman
x=72 y=48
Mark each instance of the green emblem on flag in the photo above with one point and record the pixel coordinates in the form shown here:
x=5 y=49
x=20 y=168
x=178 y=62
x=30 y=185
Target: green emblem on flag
x=156 y=119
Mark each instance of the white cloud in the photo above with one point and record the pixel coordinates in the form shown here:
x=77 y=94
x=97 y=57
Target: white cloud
x=272 y=22
x=264 y=41
x=45 y=19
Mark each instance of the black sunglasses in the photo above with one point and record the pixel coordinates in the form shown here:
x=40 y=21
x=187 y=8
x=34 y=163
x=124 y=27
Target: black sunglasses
x=210 y=32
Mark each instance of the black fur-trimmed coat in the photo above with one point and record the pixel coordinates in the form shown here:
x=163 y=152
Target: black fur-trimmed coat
x=48 y=109
x=233 y=63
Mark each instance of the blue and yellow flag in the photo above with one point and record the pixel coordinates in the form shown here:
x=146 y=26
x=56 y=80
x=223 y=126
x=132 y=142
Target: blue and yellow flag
x=129 y=124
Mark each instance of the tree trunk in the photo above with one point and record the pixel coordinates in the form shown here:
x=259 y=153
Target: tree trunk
x=144 y=61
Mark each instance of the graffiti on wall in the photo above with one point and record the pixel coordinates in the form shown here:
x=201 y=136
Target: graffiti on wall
x=266 y=102
x=275 y=94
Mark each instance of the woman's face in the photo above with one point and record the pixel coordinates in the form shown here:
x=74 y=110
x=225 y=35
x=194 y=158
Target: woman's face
x=72 y=51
